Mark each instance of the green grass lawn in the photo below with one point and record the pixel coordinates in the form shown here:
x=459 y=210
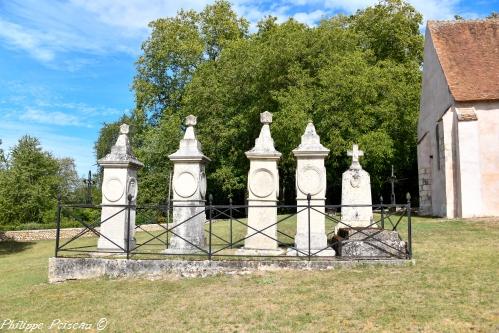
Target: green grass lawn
x=453 y=287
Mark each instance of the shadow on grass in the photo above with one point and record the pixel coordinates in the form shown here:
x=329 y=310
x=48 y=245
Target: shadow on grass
x=10 y=246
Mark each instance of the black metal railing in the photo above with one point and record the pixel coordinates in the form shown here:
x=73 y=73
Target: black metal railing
x=226 y=230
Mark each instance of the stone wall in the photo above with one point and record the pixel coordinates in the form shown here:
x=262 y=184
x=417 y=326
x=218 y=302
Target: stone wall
x=48 y=234
x=425 y=191
x=61 y=269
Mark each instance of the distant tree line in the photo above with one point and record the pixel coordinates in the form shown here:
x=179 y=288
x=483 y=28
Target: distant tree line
x=30 y=181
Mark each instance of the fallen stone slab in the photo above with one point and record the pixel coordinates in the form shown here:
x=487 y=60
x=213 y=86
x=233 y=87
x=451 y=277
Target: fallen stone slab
x=370 y=242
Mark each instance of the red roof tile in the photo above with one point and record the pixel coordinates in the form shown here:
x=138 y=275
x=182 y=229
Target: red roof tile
x=469 y=54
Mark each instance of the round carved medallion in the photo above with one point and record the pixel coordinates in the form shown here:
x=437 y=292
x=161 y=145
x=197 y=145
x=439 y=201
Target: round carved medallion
x=113 y=189
x=310 y=180
x=132 y=187
x=262 y=183
x=185 y=184
x=355 y=180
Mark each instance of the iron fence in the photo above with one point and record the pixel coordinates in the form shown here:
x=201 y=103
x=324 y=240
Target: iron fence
x=226 y=229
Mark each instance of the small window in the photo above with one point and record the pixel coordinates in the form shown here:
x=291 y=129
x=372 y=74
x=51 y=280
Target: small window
x=437 y=140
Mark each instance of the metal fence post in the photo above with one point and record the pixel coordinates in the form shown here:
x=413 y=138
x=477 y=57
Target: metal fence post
x=58 y=223
x=409 y=226
x=309 y=197
x=382 y=213
x=210 y=198
x=128 y=226
x=230 y=225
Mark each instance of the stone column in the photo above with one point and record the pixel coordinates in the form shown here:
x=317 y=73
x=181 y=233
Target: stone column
x=263 y=190
x=356 y=190
x=189 y=189
x=119 y=180
x=311 y=179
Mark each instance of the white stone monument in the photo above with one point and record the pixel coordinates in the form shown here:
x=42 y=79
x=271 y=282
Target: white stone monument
x=119 y=181
x=189 y=189
x=356 y=190
x=263 y=190
x=311 y=179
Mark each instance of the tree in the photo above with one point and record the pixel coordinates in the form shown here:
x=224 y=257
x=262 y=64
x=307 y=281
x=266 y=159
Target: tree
x=69 y=180
x=173 y=52
x=29 y=186
x=357 y=77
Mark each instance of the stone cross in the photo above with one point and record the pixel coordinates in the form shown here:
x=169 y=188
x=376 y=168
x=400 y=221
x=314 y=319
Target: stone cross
x=89 y=182
x=356 y=210
x=355 y=153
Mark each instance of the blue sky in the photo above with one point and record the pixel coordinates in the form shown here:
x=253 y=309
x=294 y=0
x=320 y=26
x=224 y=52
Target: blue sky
x=66 y=66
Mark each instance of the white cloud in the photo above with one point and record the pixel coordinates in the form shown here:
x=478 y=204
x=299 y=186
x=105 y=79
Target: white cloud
x=349 y=6
x=18 y=37
x=309 y=18
x=53 y=118
x=60 y=145
x=436 y=10
x=135 y=14
x=34 y=104
x=48 y=30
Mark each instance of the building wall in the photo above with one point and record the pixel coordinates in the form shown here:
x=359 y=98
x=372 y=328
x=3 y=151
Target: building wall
x=435 y=101
x=469 y=180
x=447 y=162
x=487 y=153
x=458 y=163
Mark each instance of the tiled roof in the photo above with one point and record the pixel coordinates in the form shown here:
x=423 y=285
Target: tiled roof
x=469 y=54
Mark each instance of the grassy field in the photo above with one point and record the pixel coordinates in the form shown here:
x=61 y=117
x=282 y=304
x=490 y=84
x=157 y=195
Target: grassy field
x=453 y=287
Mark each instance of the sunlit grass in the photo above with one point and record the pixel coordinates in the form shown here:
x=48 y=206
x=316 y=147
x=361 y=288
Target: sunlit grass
x=453 y=287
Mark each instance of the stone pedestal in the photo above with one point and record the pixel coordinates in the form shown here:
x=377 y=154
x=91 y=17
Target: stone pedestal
x=311 y=179
x=119 y=182
x=189 y=191
x=263 y=190
x=356 y=190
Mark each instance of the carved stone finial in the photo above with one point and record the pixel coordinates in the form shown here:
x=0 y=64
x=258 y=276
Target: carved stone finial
x=311 y=143
x=121 y=151
x=355 y=153
x=124 y=129
x=266 y=118
x=191 y=120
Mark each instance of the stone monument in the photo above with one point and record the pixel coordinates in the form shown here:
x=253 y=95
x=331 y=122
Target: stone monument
x=311 y=179
x=355 y=190
x=263 y=190
x=189 y=189
x=119 y=181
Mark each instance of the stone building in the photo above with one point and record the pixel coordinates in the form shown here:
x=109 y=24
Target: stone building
x=458 y=130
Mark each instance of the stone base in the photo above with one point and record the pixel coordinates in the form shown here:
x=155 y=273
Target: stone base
x=369 y=243
x=184 y=251
x=329 y=252
x=259 y=252
x=61 y=269
x=112 y=247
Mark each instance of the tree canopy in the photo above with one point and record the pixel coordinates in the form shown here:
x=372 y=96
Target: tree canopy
x=357 y=77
